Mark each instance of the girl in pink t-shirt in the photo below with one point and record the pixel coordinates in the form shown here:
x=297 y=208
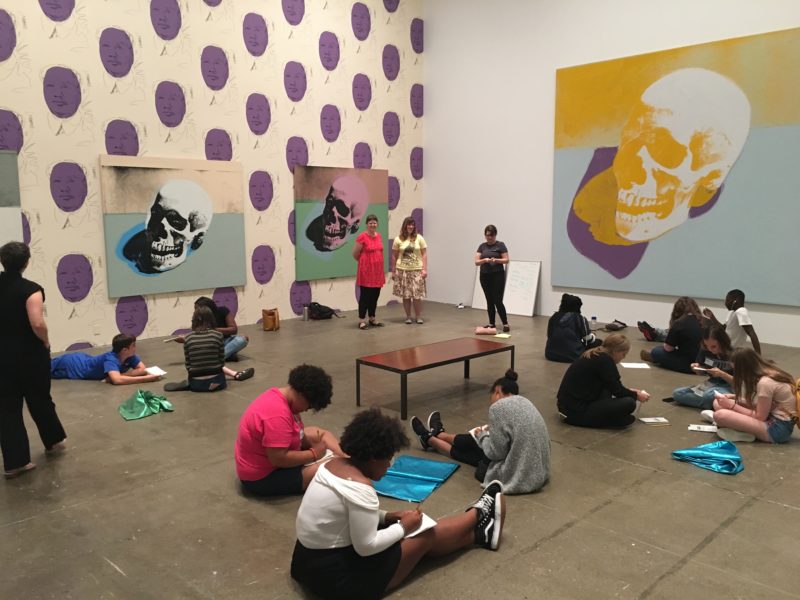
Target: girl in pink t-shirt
x=368 y=251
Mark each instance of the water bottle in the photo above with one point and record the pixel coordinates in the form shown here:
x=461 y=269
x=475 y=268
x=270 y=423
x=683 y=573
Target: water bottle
x=305 y=312
x=593 y=326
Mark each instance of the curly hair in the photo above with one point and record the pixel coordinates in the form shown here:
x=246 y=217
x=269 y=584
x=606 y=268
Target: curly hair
x=373 y=435
x=507 y=383
x=313 y=384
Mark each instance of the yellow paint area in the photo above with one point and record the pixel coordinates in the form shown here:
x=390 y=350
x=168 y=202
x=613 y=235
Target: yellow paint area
x=596 y=205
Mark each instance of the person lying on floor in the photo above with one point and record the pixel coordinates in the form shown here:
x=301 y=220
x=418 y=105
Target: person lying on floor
x=120 y=366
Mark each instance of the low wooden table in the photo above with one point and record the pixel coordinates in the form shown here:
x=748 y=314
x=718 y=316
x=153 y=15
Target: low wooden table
x=428 y=356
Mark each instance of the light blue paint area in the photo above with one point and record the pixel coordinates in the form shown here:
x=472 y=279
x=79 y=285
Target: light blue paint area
x=218 y=262
x=748 y=240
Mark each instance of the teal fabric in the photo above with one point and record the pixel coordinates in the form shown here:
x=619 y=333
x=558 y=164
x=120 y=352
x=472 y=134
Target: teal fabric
x=414 y=479
x=721 y=457
x=143 y=404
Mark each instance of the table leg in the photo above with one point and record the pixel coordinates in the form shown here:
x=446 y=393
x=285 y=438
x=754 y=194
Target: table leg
x=358 y=383
x=403 y=396
x=512 y=358
x=466 y=369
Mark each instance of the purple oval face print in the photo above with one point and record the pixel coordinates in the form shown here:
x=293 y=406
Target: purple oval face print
x=415 y=162
x=291 y=226
x=362 y=156
x=360 y=19
x=8 y=36
x=258 y=113
x=296 y=152
x=122 y=138
x=261 y=190
x=57 y=10
x=214 y=67
x=294 y=80
x=226 y=296
x=74 y=277
x=417 y=99
x=77 y=346
x=11 y=137
x=391 y=5
x=299 y=294
x=218 y=145
x=362 y=91
x=391 y=128
x=165 y=15
x=330 y=121
x=254 y=31
x=116 y=52
x=417 y=35
x=170 y=103
x=131 y=315
x=263 y=264
x=213 y=3
x=68 y=186
x=394 y=192
x=293 y=10
x=26 y=229
x=329 y=50
x=62 y=91
x=391 y=62
x=416 y=214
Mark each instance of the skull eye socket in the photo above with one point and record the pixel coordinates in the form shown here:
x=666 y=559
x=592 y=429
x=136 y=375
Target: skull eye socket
x=175 y=220
x=664 y=149
x=341 y=208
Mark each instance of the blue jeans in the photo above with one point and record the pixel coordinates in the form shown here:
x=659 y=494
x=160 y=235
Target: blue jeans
x=687 y=397
x=661 y=334
x=233 y=344
x=779 y=430
x=671 y=360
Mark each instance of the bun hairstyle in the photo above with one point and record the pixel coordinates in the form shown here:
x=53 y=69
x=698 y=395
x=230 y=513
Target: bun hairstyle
x=507 y=383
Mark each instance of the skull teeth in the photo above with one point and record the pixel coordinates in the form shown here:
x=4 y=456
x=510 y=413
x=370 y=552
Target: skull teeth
x=164 y=249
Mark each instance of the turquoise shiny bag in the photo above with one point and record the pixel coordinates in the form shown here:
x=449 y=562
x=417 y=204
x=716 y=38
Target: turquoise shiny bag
x=721 y=457
x=143 y=404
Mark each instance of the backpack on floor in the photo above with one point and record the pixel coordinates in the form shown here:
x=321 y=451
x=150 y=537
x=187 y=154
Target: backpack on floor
x=318 y=312
x=797 y=396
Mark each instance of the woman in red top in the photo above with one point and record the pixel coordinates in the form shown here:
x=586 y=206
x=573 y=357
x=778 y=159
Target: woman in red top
x=368 y=251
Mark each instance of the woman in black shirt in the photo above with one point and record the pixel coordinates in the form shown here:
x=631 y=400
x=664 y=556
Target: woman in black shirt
x=492 y=258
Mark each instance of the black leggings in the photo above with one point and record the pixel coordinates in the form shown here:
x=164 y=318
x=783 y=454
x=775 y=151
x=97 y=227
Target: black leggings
x=494 y=284
x=606 y=412
x=368 y=301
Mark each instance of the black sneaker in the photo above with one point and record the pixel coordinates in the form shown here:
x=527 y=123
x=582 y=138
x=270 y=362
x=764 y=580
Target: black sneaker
x=491 y=509
x=648 y=331
x=421 y=432
x=435 y=425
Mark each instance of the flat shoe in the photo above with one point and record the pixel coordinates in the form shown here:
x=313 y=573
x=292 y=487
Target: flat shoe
x=409 y=321
x=420 y=321
x=246 y=374
x=375 y=324
x=362 y=326
x=20 y=471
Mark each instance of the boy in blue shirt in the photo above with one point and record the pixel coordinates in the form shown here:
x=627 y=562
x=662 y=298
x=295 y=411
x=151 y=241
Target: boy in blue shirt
x=119 y=367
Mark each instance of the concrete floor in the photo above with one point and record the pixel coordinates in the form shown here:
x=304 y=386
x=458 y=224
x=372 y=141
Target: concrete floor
x=151 y=508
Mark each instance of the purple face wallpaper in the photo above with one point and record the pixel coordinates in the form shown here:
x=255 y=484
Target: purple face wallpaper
x=299 y=294
x=57 y=10
x=362 y=156
x=170 y=103
x=218 y=145
x=291 y=226
x=394 y=192
x=263 y=264
x=226 y=296
x=165 y=15
x=77 y=346
x=362 y=91
x=62 y=91
x=416 y=214
x=8 y=36
x=417 y=99
x=330 y=121
x=391 y=128
x=391 y=62
x=68 y=186
x=11 y=137
x=74 y=277
x=415 y=162
x=360 y=19
x=121 y=138
x=417 y=35
x=116 y=52
x=26 y=229
x=296 y=152
x=254 y=31
x=258 y=113
x=131 y=315
x=261 y=190
x=391 y=5
x=328 y=50
x=294 y=80
x=213 y=3
x=293 y=10
x=214 y=67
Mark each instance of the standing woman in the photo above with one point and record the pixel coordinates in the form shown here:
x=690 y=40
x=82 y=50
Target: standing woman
x=492 y=258
x=410 y=260
x=368 y=251
x=24 y=364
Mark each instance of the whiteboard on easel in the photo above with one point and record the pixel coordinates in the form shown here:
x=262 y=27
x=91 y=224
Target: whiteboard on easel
x=522 y=282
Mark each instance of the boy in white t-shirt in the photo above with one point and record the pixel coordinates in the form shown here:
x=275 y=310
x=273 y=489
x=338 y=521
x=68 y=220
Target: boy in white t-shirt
x=738 y=326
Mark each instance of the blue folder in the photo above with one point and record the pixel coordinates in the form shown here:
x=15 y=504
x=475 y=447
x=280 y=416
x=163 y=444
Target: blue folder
x=414 y=479
x=720 y=457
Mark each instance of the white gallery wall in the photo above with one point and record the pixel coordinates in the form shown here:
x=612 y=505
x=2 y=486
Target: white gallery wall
x=489 y=110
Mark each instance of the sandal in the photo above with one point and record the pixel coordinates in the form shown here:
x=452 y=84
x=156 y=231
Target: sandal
x=246 y=374
x=374 y=323
x=362 y=326
x=19 y=471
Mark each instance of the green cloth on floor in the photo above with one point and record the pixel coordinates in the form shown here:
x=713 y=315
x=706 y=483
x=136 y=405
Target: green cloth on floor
x=143 y=404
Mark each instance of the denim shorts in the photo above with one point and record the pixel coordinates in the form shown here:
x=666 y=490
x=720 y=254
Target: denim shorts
x=779 y=430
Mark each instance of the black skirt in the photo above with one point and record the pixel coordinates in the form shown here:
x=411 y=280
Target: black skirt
x=341 y=573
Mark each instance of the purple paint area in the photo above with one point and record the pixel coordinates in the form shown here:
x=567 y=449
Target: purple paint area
x=391 y=61
x=11 y=136
x=26 y=230
x=417 y=35
x=696 y=211
x=8 y=36
x=218 y=145
x=360 y=20
x=292 y=228
x=165 y=16
x=391 y=5
x=261 y=190
x=122 y=138
x=296 y=152
x=362 y=156
x=170 y=103
x=294 y=80
x=131 y=315
x=299 y=295
x=182 y=331
x=417 y=99
x=258 y=113
x=68 y=186
x=262 y=263
x=116 y=52
x=415 y=162
x=78 y=346
x=62 y=91
x=391 y=128
x=57 y=10
x=74 y=277
x=293 y=11
x=416 y=214
x=330 y=122
x=213 y=3
x=394 y=192
x=226 y=296
x=329 y=50
x=254 y=32
x=362 y=91
x=214 y=67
